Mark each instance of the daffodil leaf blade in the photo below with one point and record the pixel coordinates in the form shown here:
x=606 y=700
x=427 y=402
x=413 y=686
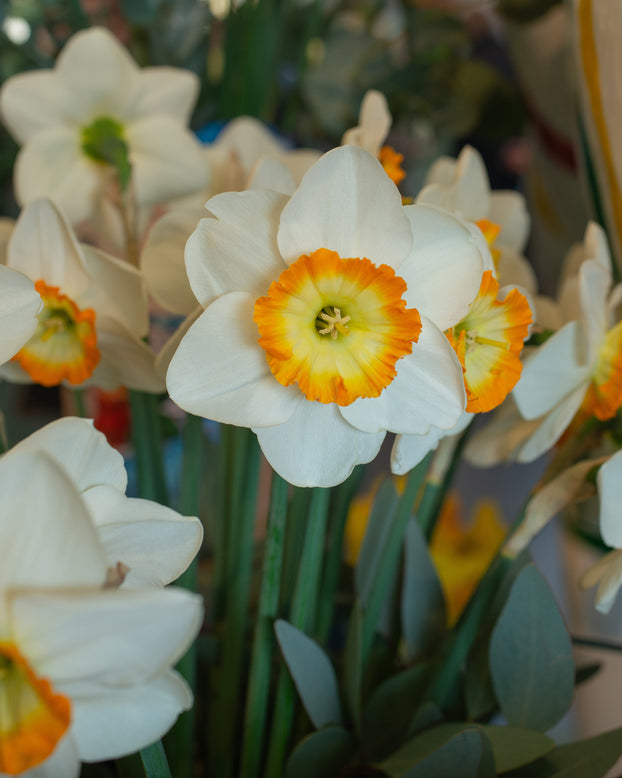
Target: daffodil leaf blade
x=312 y=673
x=322 y=753
x=530 y=655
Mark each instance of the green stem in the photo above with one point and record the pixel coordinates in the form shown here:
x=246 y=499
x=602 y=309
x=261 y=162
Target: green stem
x=603 y=645
x=259 y=684
x=334 y=558
x=379 y=589
x=79 y=400
x=302 y=615
x=220 y=522
x=179 y=741
x=245 y=480
x=294 y=540
x=147 y=438
x=151 y=762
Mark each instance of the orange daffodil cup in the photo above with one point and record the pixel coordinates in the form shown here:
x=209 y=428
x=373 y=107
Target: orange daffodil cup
x=93 y=309
x=324 y=317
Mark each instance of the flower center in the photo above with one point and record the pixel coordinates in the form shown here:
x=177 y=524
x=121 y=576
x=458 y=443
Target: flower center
x=490 y=231
x=33 y=717
x=103 y=141
x=488 y=342
x=604 y=395
x=358 y=304
x=64 y=345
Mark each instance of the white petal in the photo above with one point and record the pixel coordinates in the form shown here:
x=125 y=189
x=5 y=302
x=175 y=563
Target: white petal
x=237 y=249
x=31 y=102
x=594 y=283
x=374 y=124
x=125 y=360
x=19 y=306
x=46 y=525
x=155 y=542
x=548 y=313
x=164 y=90
x=550 y=374
x=81 y=450
x=64 y=762
x=550 y=428
x=501 y=437
x=409 y=450
x=428 y=391
x=166 y=159
x=272 y=174
x=444 y=270
x=607 y=572
x=549 y=501
x=348 y=204
x=316 y=446
x=99 y=73
x=249 y=139
x=117 y=722
x=298 y=161
x=610 y=497
x=514 y=270
x=117 y=291
x=468 y=194
x=113 y=637
x=220 y=372
x=167 y=351
x=507 y=209
x=43 y=246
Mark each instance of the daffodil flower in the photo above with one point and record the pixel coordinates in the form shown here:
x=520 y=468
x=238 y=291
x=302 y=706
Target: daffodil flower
x=19 y=305
x=85 y=672
x=152 y=543
x=324 y=317
x=580 y=367
x=462 y=187
x=96 y=108
x=94 y=314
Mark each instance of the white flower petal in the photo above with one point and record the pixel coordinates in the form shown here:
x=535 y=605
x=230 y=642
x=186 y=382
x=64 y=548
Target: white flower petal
x=81 y=450
x=609 y=482
x=19 y=306
x=551 y=374
x=164 y=90
x=220 y=372
x=514 y=270
x=43 y=246
x=166 y=159
x=507 y=209
x=501 y=437
x=113 y=637
x=428 y=391
x=594 y=283
x=237 y=249
x=607 y=572
x=272 y=174
x=250 y=140
x=155 y=542
x=167 y=351
x=46 y=525
x=468 y=194
x=63 y=762
x=316 y=446
x=374 y=124
x=409 y=450
x=31 y=102
x=444 y=270
x=99 y=73
x=348 y=204
x=116 y=722
x=298 y=161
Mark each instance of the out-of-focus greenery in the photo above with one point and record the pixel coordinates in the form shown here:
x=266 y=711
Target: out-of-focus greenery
x=301 y=66
x=526 y=10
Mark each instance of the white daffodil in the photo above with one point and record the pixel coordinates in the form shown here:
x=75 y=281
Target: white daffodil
x=371 y=132
x=86 y=672
x=97 y=97
x=94 y=313
x=462 y=187
x=324 y=317
x=152 y=543
x=19 y=305
x=580 y=367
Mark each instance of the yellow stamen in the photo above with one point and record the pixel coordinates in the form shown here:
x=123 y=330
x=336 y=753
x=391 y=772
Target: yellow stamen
x=353 y=298
x=33 y=717
x=64 y=346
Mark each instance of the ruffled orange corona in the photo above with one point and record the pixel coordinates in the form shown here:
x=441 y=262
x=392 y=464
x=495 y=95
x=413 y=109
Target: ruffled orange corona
x=336 y=327
x=488 y=342
x=64 y=346
x=33 y=718
x=391 y=160
x=604 y=395
x=490 y=231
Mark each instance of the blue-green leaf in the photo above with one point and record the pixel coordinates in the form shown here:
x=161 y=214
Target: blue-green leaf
x=375 y=538
x=530 y=655
x=312 y=673
x=321 y=754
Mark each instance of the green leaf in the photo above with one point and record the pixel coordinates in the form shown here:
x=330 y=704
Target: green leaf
x=322 y=754
x=422 y=604
x=591 y=758
x=427 y=715
x=312 y=673
x=389 y=712
x=444 y=752
x=514 y=746
x=353 y=664
x=478 y=689
x=530 y=655
x=375 y=539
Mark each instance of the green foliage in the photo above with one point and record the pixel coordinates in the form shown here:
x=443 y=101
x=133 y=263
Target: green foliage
x=103 y=141
x=526 y=10
x=321 y=754
x=530 y=655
